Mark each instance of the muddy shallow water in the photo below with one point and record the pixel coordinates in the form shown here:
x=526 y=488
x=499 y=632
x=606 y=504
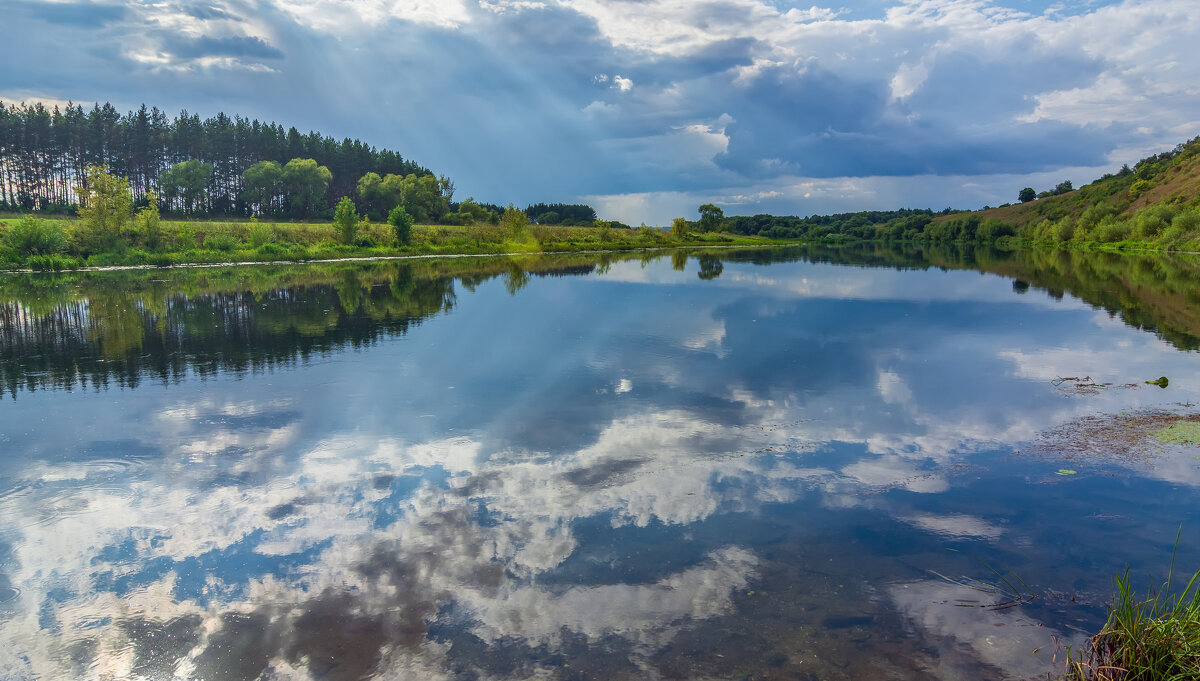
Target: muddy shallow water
x=784 y=468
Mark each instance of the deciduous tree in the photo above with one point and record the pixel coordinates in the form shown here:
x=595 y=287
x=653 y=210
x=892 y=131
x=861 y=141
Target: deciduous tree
x=711 y=217
x=105 y=207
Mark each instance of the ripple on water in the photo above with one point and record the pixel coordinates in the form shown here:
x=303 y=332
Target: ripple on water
x=63 y=494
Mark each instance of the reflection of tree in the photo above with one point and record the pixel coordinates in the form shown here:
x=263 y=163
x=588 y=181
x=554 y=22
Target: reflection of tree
x=125 y=334
x=711 y=267
x=515 y=279
x=679 y=261
x=91 y=328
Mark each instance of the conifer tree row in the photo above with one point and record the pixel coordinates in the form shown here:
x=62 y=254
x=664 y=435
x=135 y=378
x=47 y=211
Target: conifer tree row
x=44 y=154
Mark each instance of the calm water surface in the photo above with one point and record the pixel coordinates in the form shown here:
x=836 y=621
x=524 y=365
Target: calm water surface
x=669 y=467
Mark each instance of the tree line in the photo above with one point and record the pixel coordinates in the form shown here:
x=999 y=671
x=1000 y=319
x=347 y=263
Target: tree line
x=198 y=165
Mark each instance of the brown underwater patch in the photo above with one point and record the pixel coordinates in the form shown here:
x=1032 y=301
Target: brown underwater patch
x=1132 y=436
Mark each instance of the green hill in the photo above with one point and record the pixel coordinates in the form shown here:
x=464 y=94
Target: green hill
x=1154 y=204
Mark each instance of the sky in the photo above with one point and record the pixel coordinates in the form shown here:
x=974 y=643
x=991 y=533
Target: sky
x=647 y=108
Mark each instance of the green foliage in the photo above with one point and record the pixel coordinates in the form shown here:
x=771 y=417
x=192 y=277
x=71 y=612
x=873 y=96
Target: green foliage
x=35 y=236
x=220 y=241
x=711 y=217
x=1138 y=188
x=105 y=207
x=1064 y=230
x=561 y=213
x=53 y=263
x=679 y=228
x=306 y=183
x=515 y=223
x=993 y=229
x=402 y=224
x=259 y=234
x=469 y=212
x=186 y=182
x=603 y=230
x=263 y=186
x=45 y=149
x=425 y=197
x=1111 y=230
x=148 y=223
x=1150 y=638
x=1026 y=195
x=345 y=221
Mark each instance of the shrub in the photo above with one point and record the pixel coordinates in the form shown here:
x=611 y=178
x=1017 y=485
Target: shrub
x=148 y=223
x=35 y=236
x=515 y=222
x=53 y=263
x=1111 y=231
x=258 y=234
x=402 y=224
x=220 y=241
x=1064 y=230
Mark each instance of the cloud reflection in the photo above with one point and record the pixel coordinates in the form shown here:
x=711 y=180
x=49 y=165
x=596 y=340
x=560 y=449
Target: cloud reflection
x=259 y=529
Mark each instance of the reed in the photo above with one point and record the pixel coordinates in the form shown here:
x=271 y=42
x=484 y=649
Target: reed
x=1150 y=638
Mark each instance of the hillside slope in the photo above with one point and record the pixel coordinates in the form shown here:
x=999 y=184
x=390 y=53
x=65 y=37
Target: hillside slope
x=1171 y=178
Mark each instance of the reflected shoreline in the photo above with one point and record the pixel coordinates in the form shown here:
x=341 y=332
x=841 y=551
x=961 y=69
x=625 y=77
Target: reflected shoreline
x=92 y=328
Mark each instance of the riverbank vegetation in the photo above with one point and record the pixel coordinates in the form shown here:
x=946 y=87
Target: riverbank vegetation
x=1155 y=205
x=1155 y=637
x=145 y=238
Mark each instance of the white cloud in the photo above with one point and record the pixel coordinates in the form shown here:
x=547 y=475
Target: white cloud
x=346 y=17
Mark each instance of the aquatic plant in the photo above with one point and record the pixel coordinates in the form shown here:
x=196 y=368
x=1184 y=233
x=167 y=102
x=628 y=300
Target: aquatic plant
x=1155 y=638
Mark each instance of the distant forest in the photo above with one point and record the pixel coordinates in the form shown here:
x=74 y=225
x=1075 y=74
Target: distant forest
x=196 y=165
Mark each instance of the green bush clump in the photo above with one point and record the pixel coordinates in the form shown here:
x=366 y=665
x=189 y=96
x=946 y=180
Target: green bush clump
x=35 y=236
x=220 y=242
x=53 y=263
x=259 y=235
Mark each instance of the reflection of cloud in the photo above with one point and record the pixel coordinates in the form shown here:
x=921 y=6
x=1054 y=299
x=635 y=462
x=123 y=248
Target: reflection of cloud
x=955 y=525
x=256 y=520
x=894 y=471
x=631 y=610
x=1004 y=639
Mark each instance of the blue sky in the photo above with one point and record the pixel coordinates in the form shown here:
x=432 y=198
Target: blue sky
x=647 y=108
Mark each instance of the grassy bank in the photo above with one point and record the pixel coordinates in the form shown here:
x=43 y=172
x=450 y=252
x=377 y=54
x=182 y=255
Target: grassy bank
x=60 y=244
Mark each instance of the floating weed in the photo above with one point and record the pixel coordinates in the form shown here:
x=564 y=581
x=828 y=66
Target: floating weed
x=1186 y=433
x=1007 y=591
x=1145 y=639
x=1065 y=471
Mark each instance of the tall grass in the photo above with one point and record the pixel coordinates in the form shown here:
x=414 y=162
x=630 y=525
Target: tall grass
x=1151 y=638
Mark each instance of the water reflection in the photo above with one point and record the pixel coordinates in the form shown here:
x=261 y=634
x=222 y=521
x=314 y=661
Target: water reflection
x=633 y=471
